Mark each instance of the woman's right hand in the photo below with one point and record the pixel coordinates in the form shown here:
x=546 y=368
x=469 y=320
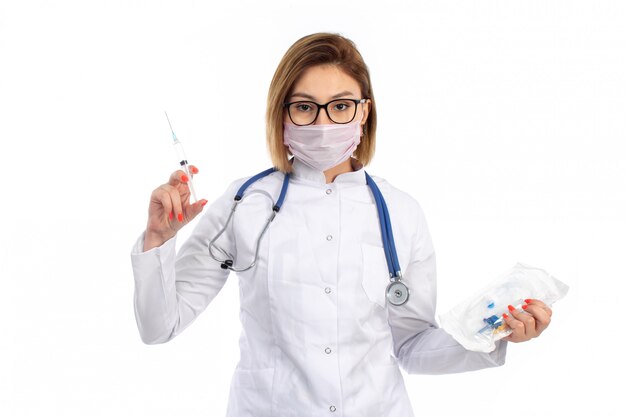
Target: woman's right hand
x=170 y=210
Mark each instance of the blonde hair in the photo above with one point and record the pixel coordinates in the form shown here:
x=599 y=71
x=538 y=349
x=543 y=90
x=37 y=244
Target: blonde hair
x=316 y=49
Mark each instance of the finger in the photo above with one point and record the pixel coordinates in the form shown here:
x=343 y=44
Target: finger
x=539 y=303
x=194 y=209
x=516 y=326
x=530 y=328
x=178 y=177
x=193 y=170
x=176 y=203
x=542 y=318
x=161 y=197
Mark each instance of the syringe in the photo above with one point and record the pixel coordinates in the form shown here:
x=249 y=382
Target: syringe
x=183 y=160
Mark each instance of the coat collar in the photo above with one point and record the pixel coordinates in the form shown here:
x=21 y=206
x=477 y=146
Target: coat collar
x=302 y=171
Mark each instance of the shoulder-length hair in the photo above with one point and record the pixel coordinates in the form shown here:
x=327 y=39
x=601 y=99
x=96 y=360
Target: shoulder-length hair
x=316 y=49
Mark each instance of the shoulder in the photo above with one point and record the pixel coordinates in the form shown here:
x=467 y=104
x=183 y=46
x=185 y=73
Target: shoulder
x=397 y=198
x=224 y=200
x=407 y=212
x=267 y=181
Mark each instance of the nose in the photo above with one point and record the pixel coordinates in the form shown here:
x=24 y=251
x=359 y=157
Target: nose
x=322 y=117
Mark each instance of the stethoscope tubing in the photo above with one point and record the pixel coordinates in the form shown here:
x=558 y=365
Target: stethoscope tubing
x=389 y=245
x=391 y=256
x=228 y=263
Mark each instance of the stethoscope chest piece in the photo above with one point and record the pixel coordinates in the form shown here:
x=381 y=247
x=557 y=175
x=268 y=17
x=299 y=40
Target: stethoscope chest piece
x=397 y=293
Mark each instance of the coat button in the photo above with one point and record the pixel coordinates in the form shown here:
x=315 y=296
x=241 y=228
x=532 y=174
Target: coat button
x=332 y=408
x=329 y=237
x=327 y=290
x=328 y=191
x=327 y=350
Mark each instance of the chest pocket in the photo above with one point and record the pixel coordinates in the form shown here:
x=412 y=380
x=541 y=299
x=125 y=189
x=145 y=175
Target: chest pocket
x=375 y=274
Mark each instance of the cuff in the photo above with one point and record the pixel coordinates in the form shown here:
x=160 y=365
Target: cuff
x=498 y=355
x=152 y=259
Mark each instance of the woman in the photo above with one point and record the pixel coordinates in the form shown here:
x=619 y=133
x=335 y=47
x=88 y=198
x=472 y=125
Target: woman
x=318 y=334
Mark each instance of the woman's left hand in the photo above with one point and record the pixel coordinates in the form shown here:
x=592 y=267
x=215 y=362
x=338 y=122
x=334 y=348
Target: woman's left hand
x=528 y=322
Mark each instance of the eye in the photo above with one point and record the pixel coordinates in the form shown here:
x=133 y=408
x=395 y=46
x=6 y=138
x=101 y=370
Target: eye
x=303 y=107
x=342 y=105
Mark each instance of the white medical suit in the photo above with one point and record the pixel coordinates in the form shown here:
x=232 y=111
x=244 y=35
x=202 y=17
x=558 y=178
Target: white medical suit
x=318 y=338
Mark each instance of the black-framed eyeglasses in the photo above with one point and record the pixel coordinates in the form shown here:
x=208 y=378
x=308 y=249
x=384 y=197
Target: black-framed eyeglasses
x=340 y=111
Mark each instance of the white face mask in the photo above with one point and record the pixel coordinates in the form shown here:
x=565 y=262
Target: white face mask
x=323 y=146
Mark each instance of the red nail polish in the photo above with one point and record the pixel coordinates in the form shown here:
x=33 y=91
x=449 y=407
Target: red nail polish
x=203 y=202
x=184 y=178
x=528 y=300
x=511 y=308
x=505 y=316
x=525 y=306
x=180 y=217
x=194 y=170
x=171 y=215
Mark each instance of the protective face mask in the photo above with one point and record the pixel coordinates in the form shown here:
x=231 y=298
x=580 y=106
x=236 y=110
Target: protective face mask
x=323 y=146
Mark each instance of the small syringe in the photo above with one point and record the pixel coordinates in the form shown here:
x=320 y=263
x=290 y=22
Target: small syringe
x=183 y=160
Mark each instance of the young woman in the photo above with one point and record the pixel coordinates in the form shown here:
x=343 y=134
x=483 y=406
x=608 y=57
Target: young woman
x=322 y=334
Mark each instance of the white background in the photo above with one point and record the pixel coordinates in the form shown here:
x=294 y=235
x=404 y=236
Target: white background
x=505 y=120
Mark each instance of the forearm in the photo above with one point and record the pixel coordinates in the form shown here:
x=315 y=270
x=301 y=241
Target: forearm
x=172 y=289
x=153 y=240
x=436 y=352
x=155 y=298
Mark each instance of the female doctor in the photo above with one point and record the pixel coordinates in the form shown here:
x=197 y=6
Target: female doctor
x=320 y=333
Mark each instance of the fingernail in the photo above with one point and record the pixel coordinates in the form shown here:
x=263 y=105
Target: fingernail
x=511 y=308
x=180 y=217
x=171 y=215
x=203 y=202
x=184 y=178
x=525 y=306
x=505 y=316
x=194 y=170
x=528 y=300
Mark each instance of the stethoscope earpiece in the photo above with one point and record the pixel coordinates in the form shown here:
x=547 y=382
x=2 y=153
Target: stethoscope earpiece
x=227 y=264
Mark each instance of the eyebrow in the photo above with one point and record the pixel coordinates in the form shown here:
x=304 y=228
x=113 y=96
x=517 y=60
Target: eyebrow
x=310 y=97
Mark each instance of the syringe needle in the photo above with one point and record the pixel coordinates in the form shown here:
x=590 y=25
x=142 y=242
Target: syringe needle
x=168 y=122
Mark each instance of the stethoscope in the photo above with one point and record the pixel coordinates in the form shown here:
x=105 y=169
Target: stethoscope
x=397 y=292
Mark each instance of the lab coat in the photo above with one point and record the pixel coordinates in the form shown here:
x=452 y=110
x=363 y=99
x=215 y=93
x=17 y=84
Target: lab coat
x=317 y=338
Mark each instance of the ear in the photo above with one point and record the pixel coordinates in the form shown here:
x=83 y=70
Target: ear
x=366 y=111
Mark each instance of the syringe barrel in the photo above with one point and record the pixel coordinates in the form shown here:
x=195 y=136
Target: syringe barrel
x=184 y=165
x=182 y=159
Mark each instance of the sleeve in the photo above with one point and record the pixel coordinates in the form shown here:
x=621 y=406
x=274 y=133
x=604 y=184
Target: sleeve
x=172 y=290
x=419 y=344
